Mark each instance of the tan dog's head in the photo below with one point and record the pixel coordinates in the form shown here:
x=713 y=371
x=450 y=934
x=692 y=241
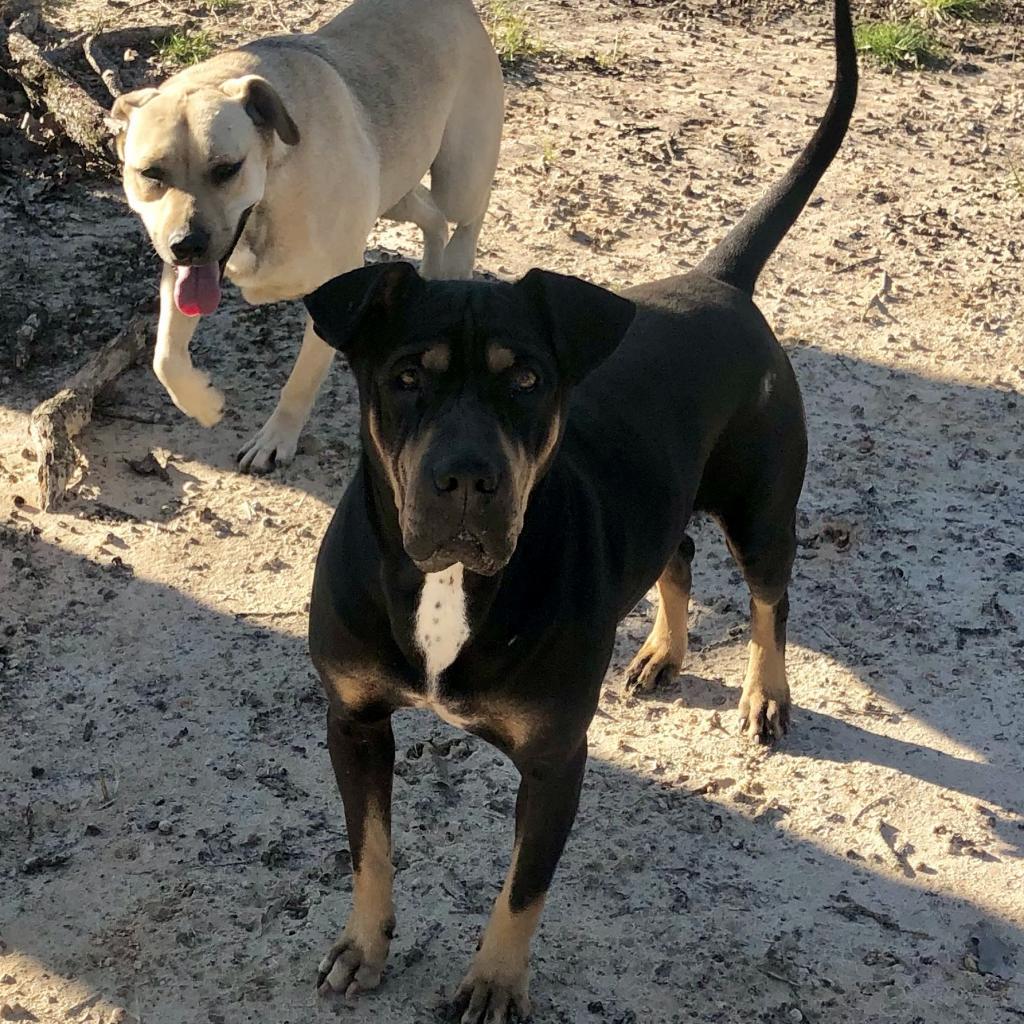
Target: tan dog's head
x=195 y=164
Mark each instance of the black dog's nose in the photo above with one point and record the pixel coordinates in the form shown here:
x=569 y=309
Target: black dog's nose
x=465 y=476
x=190 y=244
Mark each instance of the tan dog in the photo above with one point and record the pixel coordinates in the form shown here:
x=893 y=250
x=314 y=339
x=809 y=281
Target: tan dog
x=271 y=163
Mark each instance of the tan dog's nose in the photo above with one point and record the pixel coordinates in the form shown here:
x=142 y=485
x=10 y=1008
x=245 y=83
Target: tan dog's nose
x=189 y=245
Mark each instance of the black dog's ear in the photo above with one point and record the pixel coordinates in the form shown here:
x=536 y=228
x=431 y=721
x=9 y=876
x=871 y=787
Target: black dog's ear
x=585 y=322
x=345 y=307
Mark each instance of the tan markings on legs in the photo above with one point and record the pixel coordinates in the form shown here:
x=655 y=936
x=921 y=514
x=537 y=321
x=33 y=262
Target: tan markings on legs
x=499 y=979
x=664 y=650
x=436 y=358
x=499 y=358
x=512 y=723
x=356 y=691
x=356 y=961
x=764 y=706
x=372 y=908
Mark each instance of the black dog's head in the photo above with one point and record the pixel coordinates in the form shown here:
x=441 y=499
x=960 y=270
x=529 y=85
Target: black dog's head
x=463 y=389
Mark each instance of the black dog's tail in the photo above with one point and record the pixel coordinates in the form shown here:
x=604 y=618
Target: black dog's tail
x=740 y=257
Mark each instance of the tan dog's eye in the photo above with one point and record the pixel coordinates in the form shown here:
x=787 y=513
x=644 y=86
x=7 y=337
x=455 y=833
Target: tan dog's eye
x=524 y=379
x=152 y=174
x=225 y=172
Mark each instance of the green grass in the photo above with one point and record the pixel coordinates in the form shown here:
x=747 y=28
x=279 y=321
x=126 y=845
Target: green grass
x=608 y=60
x=964 y=10
x=511 y=32
x=896 y=44
x=185 y=48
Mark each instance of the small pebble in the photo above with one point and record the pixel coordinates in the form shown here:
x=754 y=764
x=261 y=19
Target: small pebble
x=164 y=827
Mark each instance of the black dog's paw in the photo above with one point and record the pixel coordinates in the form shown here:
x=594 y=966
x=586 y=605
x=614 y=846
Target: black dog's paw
x=482 y=1000
x=656 y=663
x=763 y=718
x=349 y=970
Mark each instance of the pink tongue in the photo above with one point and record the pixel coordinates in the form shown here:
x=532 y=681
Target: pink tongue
x=197 y=289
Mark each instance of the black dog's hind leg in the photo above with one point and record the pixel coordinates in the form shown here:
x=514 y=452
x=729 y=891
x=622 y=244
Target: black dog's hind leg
x=497 y=983
x=664 y=650
x=765 y=553
x=363 y=756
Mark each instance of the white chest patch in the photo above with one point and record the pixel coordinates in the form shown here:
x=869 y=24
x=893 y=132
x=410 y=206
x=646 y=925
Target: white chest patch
x=441 y=624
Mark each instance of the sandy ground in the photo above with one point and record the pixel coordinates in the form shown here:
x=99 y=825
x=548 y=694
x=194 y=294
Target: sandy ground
x=171 y=842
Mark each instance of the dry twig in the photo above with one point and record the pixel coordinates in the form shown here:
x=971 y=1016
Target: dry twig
x=59 y=419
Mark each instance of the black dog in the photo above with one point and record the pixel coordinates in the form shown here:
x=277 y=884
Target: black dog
x=531 y=457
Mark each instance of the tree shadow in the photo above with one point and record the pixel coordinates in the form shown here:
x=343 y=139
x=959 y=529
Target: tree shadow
x=820 y=737
x=171 y=839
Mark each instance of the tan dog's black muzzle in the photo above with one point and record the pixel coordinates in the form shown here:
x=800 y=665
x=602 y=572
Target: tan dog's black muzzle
x=189 y=245
x=242 y=221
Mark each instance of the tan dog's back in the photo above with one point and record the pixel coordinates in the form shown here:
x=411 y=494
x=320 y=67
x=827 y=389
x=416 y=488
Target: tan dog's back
x=386 y=56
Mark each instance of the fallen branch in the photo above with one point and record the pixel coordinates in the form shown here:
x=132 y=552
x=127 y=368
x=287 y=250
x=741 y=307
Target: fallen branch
x=57 y=420
x=79 y=116
x=41 y=74
x=101 y=64
x=101 y=45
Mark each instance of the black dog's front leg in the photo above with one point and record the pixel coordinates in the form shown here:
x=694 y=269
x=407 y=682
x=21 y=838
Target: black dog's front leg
x=498 y=980
x=363 y=756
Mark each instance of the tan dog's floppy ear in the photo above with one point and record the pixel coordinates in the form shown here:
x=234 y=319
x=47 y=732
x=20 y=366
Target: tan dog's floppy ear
x=121 y=111
x=263 y=105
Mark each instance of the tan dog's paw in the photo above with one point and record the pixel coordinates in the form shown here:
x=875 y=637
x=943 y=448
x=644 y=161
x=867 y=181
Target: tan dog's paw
x=764 y=718
x=349 y=969
x=195 y=396
x=274 y=445
x=490 y=1000
x=655 y=663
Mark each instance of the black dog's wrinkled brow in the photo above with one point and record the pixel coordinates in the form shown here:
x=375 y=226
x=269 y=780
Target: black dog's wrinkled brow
x=461 y=315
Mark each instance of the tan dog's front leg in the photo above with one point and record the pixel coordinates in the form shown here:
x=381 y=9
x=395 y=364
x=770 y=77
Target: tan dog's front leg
x=190 y=389
x=276 y=442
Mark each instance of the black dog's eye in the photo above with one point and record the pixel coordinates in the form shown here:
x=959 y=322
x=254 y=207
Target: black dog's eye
x=225 y=172
x=408 y=379
x=524 y=379
x=152 y=173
